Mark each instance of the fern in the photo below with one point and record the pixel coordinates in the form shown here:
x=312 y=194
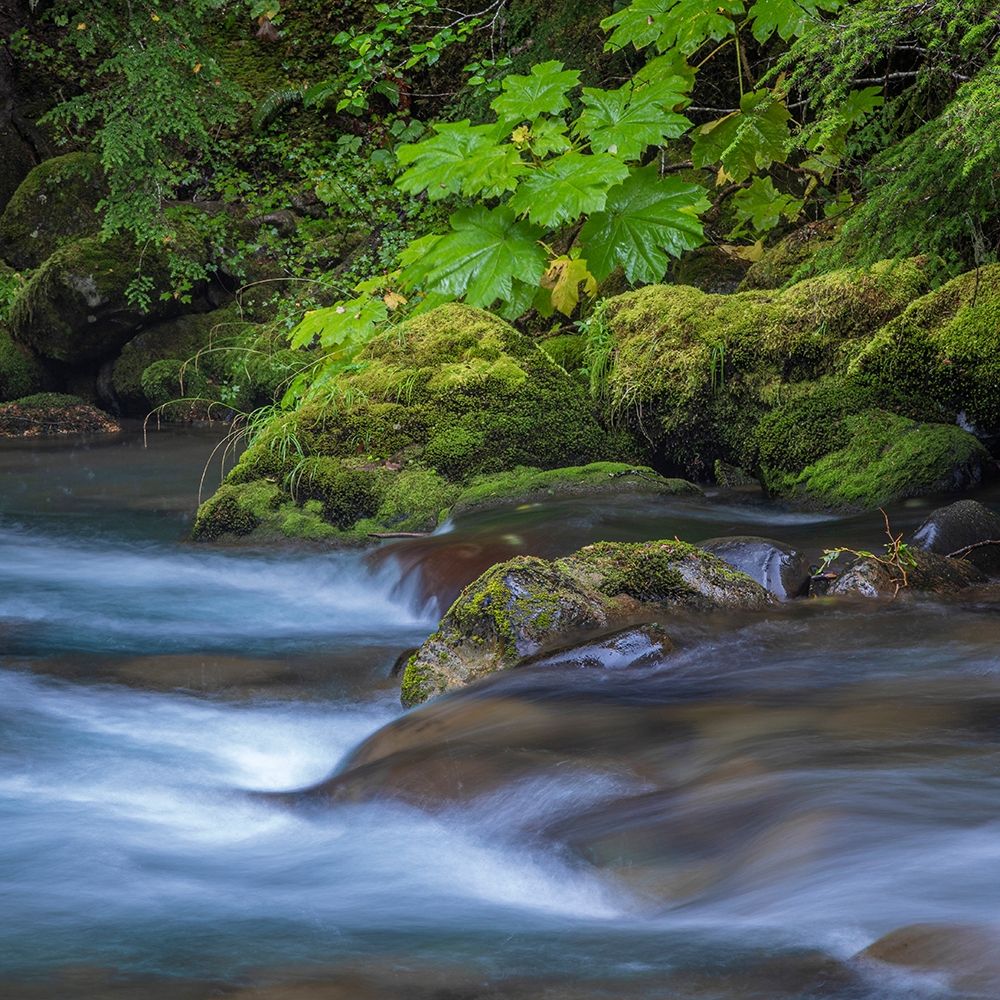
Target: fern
x=275 y=104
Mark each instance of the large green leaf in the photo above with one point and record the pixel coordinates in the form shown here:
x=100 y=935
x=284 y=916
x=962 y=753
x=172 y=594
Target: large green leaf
x=762 y=205
x=747 y=140
x=668 y=24
x=543 y=92
x=460 y=158
x=627 y=121
x=789 y=18
x=486 y=255
x=568 y=187
x=646 y=220
x=347 y=324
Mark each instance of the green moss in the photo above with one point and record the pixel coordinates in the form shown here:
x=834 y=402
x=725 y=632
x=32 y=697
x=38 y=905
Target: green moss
x=412 y=500
x=566 y=350
x=416 y=685
x=941 y=357
x=345 y=495
x=49 y=400
x=55 y=204
x=886 y=458
x=21 y=373
x=236 y=510
x=692 y=374
x=808 y=424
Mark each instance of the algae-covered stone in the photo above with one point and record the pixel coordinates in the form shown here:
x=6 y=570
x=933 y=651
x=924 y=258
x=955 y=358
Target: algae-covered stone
x=886 y=458
x=53 y=413
x=449 y=396
x=692 y=373
x=519 y=608
x=55 y=204
x=940 y=360
x=925 y=572
x=75 y=307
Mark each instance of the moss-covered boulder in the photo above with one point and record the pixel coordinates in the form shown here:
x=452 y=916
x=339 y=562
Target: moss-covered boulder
x=940 y=360
x=21 y=372
x=710 y=269
x=75 y=307
x=447 y=397
x=55 y=204
x=879 y=458
x=521 y=607
x=692 y=374
x=53 y=413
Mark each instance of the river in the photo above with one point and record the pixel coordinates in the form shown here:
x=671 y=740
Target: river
x=734 y=822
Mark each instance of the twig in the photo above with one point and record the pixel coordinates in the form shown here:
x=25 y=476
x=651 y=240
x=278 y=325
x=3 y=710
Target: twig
x=966 y=549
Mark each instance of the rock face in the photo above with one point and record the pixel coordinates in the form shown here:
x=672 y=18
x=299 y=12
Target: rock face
x=519 y=608
x=958 y=526
x=53 y=413
x=55 y=204
x=931 y=574
x=777 y=567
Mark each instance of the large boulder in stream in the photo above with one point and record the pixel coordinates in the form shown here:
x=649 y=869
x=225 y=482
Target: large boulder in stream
x=50 y=413
x=522 y=607
x=924 y=572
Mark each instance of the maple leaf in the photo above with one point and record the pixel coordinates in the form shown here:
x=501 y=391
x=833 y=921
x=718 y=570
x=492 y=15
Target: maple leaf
x=646 y=220
x=789 y=18
x=564 y=189
x=542 y=92
x=564 y=278
x=627 y=121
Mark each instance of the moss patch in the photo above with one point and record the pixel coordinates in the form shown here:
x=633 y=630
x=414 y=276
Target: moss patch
x=21 y=373
x=692 y=374
x=886 y=458
x=940 y=360
x=49 y=413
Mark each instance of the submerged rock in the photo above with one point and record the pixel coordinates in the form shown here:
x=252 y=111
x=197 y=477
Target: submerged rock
x=968 y=955
x=519 y=608
x=778 y=567
x=961 y=526
x=53 y=413
x=930 y=573
x=55 y=204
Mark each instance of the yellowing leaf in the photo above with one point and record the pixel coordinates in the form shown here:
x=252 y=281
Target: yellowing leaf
x=394 y=300
x=564 y=278
x=154 y=17
x=82 y=26
x=196 y=68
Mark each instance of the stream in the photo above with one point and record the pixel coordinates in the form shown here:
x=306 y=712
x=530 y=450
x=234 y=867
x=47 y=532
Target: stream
x=735 y=821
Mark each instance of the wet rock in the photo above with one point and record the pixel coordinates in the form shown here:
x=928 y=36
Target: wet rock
x=519 y=608
x=21 y=372
x=959 y=526
x=53 y=413
x=636 y=646
x=968 y=955
x=777 y=567
x=932 y=574
x=55 y=204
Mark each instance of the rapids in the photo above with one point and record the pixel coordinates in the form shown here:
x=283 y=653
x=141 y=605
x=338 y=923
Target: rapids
x=736 y=821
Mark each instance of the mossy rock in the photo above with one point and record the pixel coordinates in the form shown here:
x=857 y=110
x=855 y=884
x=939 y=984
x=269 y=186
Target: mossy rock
x=55 y=204
x=49 y=413
x=21 y=372
x=447 y=397
x=526 y=485
x=692 y=374
x=940 y=360
x=17 y=159
x=925 y=572
x=522 y=607
x=75 y=309
x=178 y=392
x=885 y=458
x=710 y=269
x=789 y=257
x=175 y=340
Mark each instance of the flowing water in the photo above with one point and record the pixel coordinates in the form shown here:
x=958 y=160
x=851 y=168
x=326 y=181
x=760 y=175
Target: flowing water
x=736 y=820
